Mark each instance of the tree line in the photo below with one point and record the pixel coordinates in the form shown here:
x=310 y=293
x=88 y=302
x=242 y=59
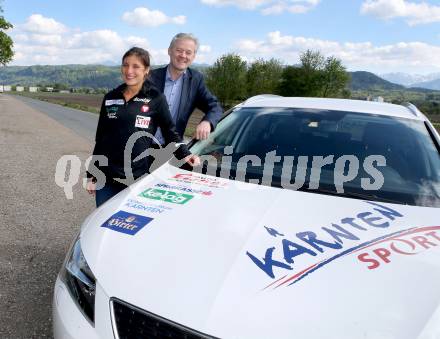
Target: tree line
x=6 y=43
x=232 y=79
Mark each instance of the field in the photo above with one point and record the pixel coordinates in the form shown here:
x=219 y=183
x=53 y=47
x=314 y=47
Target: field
x=85 y=102
x=428 y=102
x=92 y=103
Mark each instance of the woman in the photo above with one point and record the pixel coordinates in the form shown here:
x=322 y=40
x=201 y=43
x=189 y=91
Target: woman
x=135 y=106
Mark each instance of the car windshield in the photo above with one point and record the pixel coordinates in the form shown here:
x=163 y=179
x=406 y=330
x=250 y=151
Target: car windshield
x=359 y=155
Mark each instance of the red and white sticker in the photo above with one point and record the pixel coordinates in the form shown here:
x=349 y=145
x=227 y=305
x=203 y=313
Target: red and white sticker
x=144 y=108
x=142 y=122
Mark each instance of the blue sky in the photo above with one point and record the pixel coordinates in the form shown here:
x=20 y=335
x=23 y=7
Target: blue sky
x=374 y=35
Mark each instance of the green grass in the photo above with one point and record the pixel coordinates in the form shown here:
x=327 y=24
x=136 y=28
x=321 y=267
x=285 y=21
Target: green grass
x=84 y=102
x=75 y=106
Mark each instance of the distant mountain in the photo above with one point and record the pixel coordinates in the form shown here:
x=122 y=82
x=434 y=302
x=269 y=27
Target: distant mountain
x=362 y=80
x=415 y=81
x=433 y=84
x=109 y=63
x=102 y=76
x=410 y=80
x=93 y=76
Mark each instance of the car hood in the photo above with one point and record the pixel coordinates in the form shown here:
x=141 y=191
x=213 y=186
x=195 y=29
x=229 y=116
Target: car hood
x=238 y=260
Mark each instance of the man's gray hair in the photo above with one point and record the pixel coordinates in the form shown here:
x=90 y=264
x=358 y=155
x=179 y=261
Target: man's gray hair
x=187 y=36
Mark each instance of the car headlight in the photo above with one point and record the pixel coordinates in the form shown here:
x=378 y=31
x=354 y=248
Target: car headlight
x=80 y=280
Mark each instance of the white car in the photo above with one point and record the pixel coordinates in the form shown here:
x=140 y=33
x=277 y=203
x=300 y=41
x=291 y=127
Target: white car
x=310 y=218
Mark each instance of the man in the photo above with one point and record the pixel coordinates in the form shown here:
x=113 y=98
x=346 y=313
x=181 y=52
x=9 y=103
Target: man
x=185 y=88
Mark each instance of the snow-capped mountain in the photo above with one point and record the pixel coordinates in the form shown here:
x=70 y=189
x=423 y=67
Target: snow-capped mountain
x=411 y=80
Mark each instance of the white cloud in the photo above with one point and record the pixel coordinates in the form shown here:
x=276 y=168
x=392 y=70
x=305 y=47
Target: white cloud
x=41 y=45
x=37 y=23
x=403 y=56
x=275 y=38
x=105 y=39
x=137 y=41
x=144 y=17
x=159 y=56
x=21 y=38
x=244 y=4
x=204 y=49
x=268 y=7
x=273 y=10
x=44 y=39
x=414 y=13
x=298 y=9
x=205 y=55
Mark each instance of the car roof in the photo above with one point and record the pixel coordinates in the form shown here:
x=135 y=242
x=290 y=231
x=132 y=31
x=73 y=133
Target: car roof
x=407 y=111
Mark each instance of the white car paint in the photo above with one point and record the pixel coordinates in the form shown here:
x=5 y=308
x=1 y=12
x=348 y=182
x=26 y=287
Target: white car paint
x=192 y=263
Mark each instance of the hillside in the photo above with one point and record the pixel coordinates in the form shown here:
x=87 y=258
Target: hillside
x=94 y=76
x=368 y=81
x=91 y=76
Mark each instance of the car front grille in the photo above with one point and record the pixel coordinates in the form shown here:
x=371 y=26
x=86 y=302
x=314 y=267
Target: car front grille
x=130 y=322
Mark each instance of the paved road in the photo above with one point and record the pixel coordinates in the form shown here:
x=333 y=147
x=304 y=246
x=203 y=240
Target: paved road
x=82 y=123
x=37 y=221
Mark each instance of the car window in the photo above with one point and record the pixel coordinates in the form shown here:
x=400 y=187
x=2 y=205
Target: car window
x=326 y=147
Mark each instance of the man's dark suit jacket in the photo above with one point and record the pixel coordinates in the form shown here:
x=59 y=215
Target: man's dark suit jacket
x=195 y=94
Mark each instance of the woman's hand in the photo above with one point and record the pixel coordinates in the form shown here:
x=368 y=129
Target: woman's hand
x=91 y=187
x=192 y=160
